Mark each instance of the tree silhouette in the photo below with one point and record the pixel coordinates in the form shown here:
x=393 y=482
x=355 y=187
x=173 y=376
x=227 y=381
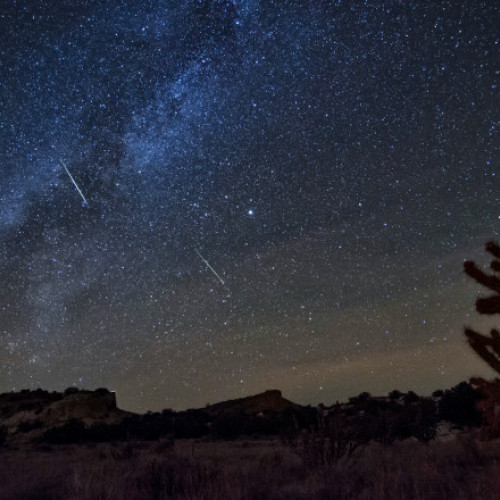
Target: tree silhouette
x=487 y=347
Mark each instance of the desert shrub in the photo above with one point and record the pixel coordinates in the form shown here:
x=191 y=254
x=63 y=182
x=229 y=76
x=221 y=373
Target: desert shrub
x=102 y=433
x=378 y=426
x=458 y=405
x=149 y=427
x=395 y=394
x=124 y=452
x=289 y=421
x=30 y=406
x=157 y=425
x=360 y=398
x=295 y=419
x=229 y=426
x=162 y=478
x=389 y=421
x=29 y=425
x=71 y=390
x=190 y=424
x=425 y=421
x=72 y=431
x=269 y=425
x=3 y=434
x=417 y=421
x=411 y=397
x=330 y=443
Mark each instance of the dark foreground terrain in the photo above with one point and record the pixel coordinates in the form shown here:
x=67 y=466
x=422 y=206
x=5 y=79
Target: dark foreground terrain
x=79 y=445
x=461 y=468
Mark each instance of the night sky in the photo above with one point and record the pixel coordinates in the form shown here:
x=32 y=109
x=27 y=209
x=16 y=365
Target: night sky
x=279 y=194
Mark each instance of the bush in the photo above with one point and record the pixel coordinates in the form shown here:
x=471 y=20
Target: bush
x=395 y=394
x=190 y=424
x=71 y=390
x=228 y=426
x=29 y=425
x=411 y=397
x=458 y=405
x=3 y=434
x=389 y=421
x=71 y=432
x=360 y=398
x=102 y=433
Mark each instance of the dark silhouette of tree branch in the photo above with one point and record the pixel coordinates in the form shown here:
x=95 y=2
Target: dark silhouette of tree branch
x=487 y=280
x=488 y=348
x=493 y=248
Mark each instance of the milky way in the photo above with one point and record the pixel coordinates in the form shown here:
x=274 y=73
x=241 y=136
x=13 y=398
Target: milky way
x=279 y=195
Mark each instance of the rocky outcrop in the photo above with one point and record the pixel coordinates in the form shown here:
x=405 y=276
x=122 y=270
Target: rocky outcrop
x=265 y=402
x=87 y=406
x=40 y=410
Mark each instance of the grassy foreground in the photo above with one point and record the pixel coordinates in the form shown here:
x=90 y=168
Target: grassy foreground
x=251 y=469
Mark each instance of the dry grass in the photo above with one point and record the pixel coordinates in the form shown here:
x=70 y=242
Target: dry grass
x=462 y=469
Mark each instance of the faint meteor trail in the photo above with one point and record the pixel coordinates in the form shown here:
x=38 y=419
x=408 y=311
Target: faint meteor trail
x=74 y=182
x=209 y=266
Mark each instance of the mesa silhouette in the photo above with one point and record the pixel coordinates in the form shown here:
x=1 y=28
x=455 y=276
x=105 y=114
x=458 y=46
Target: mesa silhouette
x=77 y=416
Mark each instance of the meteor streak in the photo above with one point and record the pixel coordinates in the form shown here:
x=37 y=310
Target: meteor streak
x=73 y=181
x=209 y=266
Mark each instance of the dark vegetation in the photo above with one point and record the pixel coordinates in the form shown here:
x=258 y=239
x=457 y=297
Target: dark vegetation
x=253 y=470
x=364 y=418
x=368 y=447
x=3 y=434
x=26 y=400
x=488 y=347
x=459 y=405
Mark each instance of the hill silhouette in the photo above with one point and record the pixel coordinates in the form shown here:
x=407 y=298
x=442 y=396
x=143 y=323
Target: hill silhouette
x=92 y=416
x=40 y=410
x=270 y=401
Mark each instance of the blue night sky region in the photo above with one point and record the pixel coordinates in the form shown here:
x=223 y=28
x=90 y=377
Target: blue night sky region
x=202 y=200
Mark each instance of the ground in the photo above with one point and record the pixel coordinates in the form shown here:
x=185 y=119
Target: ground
x=251 y=469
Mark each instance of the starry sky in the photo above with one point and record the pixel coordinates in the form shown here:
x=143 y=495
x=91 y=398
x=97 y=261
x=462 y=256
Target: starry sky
x=262 y=194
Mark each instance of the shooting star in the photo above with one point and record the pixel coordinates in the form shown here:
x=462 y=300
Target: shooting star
x=73 y=181
x=209 y=266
